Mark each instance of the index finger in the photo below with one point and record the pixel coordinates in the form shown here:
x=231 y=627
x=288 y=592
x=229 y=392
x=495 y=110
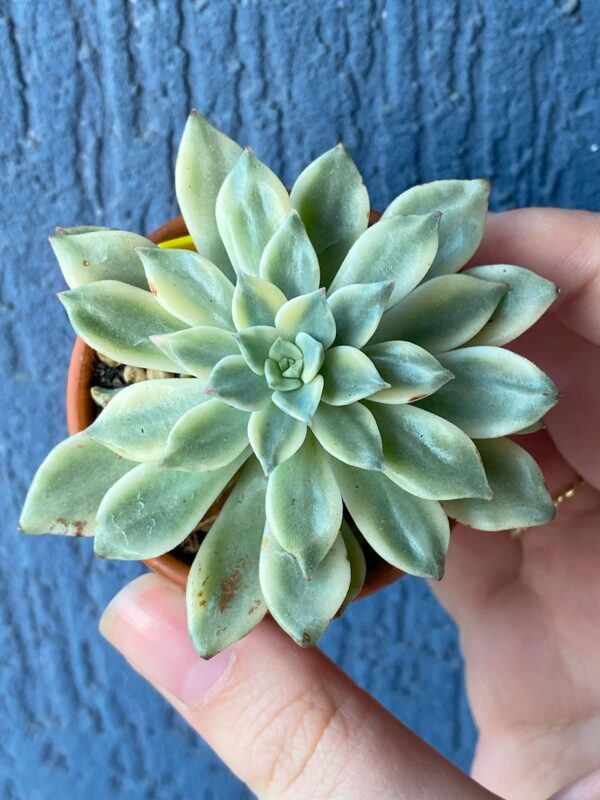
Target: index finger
x=561 y=245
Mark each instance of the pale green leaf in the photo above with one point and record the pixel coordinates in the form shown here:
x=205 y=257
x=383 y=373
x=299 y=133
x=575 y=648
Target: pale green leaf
x=332 y=200
x=102 y=396
x=349 y=375
x=410 y=533
x=289 y=259
x=313 y=355
x=275 y=436
x=358 y=566
x=428 y=456
x=151 y=510
x=255 y=302
x=304 y=505
x=520 y=495
x=223 y=594
x=464 y=208
x=528 y=297
x=233 y=381
x=442 y=313
x=204 y=159
x=411 y=372
x=251 y=205
x=68 y=486
x=197 y=350
x=189 y=286
x=357 y=311
x=303 y=608
x=89 y=254
x=301 y=403
x=494 y=392
x=399 y=249
x=137 y=422
x=309 y=314
x=117 y=319
x=254 y=344
x=349 y=433
x=206 y=438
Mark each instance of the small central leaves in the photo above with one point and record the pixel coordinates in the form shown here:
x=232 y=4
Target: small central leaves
x=290 y=368
x=281 y=350
x=284 y=366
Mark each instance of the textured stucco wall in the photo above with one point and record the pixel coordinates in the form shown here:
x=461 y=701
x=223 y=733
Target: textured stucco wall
x=94 y=97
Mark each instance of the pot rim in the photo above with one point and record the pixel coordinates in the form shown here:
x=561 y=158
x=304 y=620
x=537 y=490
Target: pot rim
x=80 y=414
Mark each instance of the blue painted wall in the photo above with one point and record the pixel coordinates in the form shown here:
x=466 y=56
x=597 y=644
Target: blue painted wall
x=94 y=98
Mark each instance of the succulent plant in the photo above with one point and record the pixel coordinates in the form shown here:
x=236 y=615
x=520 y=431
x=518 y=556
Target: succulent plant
x=349 y=377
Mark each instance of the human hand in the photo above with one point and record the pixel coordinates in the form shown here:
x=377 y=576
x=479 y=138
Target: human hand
x=293 y=726
x=528 y=607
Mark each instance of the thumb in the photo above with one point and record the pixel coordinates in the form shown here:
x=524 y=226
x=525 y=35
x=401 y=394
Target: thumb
x=287 y=721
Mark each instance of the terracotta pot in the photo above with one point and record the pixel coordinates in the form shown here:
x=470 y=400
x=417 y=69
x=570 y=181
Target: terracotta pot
x=81 y=412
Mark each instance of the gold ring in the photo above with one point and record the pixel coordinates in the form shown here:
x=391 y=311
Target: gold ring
x=558 y=500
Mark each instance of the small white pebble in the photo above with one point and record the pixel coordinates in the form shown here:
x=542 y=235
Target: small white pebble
x=154 y=374
x=134 y=374
x=110 y=362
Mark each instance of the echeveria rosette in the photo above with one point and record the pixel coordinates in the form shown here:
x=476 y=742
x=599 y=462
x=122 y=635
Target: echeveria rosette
x=335 y=366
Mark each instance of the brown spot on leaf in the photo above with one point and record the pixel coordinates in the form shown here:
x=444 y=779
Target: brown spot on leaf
x=305 y=639
x=75 y=528
x=230 y=586
x=256 y=605
x=86 y=263
x=152 y=288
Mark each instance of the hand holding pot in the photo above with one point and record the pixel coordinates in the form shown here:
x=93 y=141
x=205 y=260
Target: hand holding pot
x=292 y=725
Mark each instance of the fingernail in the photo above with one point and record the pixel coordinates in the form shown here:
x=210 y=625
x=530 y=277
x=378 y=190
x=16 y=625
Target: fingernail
x=146 y=623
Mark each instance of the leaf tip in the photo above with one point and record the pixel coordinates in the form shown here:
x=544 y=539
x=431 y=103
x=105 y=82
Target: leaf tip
x=166 y=460
x=101 y=551
x=65 y=297
x=306 y=640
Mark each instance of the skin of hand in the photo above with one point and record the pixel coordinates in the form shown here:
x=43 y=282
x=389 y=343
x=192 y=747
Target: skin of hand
x=293 y=726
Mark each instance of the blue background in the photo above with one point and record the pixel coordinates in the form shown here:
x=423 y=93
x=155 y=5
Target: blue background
x=94 y=99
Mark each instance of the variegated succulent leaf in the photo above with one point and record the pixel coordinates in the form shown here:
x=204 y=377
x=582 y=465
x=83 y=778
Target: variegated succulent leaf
x=346 y=372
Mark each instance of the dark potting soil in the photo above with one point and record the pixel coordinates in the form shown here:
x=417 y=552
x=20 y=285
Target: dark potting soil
x=186 y=551
x=108 y=377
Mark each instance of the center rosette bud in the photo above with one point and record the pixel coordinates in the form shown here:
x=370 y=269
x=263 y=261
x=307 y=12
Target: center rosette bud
x=284 y=366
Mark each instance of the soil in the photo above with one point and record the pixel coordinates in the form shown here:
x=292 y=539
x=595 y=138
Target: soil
x=186 y=551
x=108 y=377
